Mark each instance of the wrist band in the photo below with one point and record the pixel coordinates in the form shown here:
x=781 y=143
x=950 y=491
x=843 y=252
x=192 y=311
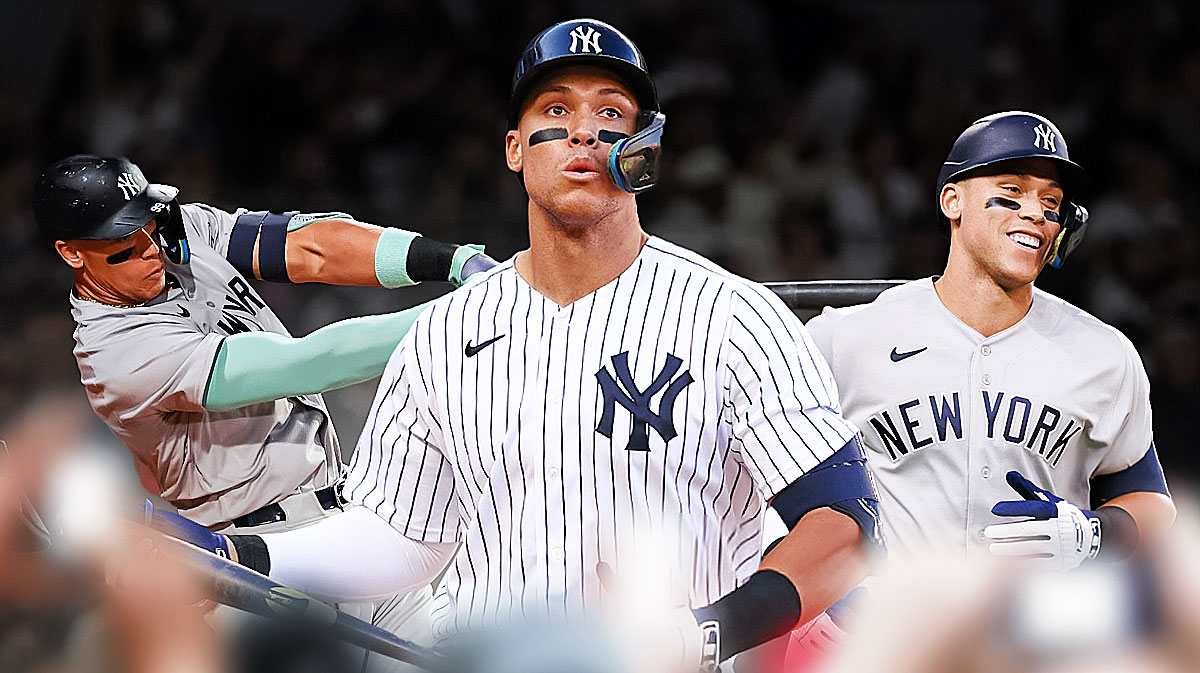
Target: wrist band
x=764 y=608
x=1119 y=533
x=391 y=258
x=252 y=553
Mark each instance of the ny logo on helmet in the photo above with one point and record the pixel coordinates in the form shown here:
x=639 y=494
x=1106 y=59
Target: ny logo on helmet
x=586 y=36
x=1043 y=138
x=129 y=186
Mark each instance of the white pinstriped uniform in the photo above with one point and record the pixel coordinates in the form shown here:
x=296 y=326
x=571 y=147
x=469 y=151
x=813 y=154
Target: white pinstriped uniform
x=506 y=450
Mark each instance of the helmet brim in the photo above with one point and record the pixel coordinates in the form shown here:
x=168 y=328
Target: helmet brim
x=136 y=213
x=634 y=79
x=1073 y=177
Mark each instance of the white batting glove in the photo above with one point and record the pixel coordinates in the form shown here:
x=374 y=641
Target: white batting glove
x=1056 y=535
x=659 y=639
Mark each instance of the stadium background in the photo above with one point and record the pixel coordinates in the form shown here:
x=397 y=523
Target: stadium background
x=803 y=141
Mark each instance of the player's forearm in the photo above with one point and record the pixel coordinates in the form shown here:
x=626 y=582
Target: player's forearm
x=343 y=251
x=351 y=557
x=335 y=252
x=823 y=557
x=1152 y=513
x=256 y=367
x=820 y=560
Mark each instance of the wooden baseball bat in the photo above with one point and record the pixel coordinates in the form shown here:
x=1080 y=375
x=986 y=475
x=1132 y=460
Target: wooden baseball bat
x=239 y=587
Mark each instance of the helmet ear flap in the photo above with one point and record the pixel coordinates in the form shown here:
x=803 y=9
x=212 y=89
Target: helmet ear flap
x=633 y=160
x=172 y=235
x=1070 y=235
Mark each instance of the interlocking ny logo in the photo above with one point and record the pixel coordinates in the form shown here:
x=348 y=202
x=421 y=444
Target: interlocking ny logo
x=637 y=402
x=1043 y=138
x=586 y=36
x=129 y=186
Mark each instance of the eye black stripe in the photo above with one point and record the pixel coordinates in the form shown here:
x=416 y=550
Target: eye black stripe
x=545 y=135
x=1001 y=202
x=118 y=257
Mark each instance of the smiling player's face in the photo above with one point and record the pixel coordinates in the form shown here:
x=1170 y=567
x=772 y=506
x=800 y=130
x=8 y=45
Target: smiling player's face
x=1008 y=219
x=565 y=168
x=125 y=270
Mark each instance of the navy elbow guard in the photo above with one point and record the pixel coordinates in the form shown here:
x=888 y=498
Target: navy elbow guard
x=1144 y=475
x=842 y=483
x=267 y=229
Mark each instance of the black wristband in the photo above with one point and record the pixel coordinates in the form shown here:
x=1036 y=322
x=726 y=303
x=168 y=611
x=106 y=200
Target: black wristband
x=1118 y=533
x=252 y=553
x=429 y=259
x=764 y=608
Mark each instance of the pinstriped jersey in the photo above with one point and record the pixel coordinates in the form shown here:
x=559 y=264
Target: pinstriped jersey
x=645 y=425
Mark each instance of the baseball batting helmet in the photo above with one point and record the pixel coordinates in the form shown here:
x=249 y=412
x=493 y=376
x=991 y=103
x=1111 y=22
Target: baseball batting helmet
x=1020 y=135
x=89 y=197
x=633 y=160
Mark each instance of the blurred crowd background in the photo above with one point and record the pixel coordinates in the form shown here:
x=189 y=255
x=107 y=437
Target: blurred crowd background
x=803 y=141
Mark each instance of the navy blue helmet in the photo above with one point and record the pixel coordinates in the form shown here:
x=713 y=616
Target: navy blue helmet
x=89 y=197
x=585 y=41
x=1020 y=135
x=633 y=159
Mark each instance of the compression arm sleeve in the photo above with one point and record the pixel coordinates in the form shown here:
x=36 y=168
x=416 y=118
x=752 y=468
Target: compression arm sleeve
x=255 y=367
x=354 y=557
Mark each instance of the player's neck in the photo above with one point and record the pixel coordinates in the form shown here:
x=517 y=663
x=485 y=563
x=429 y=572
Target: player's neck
x=981 y=303
x=88 y=290
x=565 y=263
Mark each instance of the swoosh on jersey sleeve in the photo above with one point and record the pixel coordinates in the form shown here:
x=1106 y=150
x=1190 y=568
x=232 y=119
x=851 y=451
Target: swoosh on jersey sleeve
x=786 y=415
x=399 y=470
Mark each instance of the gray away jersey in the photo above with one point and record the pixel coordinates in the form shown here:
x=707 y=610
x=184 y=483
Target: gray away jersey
x=644 y=425
x=945 y=413
x=145 y=370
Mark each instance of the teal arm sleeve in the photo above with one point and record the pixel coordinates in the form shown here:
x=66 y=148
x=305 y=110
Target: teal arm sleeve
x=261 y=366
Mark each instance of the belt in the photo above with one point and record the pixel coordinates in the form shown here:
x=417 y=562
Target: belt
x=329 y=497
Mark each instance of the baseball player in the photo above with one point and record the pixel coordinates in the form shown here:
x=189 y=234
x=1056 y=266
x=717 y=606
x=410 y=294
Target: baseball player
x=604 y=401
x=218 y=403
x=958 y=380
x=994 y=414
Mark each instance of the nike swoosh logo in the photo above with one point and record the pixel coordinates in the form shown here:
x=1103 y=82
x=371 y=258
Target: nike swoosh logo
x=472 y=350
x=184 y=313
x=896 y=357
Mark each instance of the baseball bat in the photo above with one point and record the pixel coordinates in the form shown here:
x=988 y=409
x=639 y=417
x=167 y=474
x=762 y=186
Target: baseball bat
x=813 y=295
x=239 y=587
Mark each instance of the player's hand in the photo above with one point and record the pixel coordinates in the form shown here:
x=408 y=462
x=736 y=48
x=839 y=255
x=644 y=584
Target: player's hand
x=183 y=528
x=811 y=645
x=1055 y=534
x=658 y=640
x=473 y=261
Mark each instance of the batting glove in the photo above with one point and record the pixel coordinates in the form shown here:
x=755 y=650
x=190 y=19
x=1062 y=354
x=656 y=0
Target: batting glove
x=468 y=261
x=183 y=528
x=1056 y=534
x=661 y=639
